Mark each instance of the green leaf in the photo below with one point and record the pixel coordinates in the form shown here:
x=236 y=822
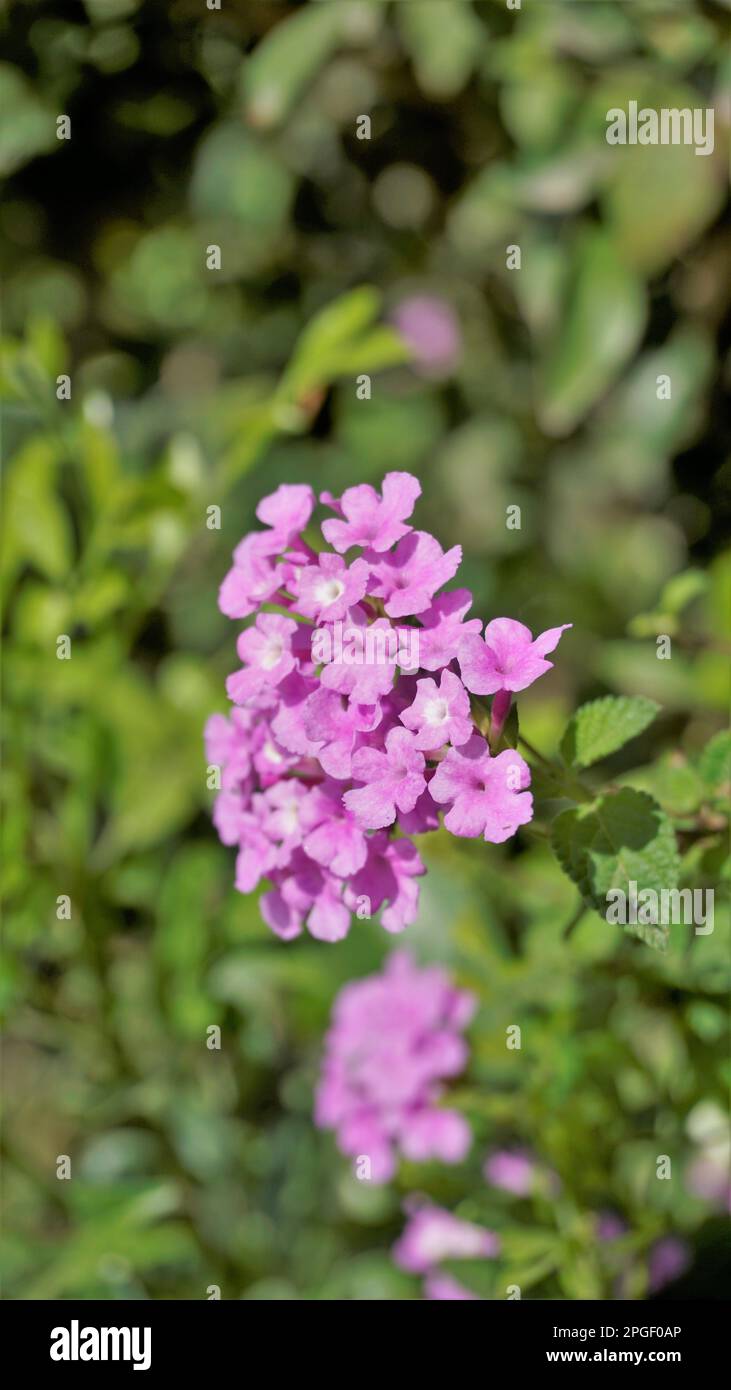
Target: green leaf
x=286 y=60
x=679 y=592
x=622 y=838
x=535 y=106
x=602 y=726
x=134 y=1230
x=160 y=283
x=520 y=1244
x=341 y=320
x=380 y=348
x=476 y=1275
x=47 y=343
x=36 y=526
x=235 y=176
x=601 y=328
x=401 y=427
x=714 y=764
x=672 y=781
x=342 y=338
x=160 y=114
x=443 y=55
x=683 y=589
x=660 y=199
x=638 y=418
x=28 y=129
x=579 y=1278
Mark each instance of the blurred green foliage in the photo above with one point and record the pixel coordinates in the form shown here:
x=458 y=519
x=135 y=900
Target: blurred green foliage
x=192 y=388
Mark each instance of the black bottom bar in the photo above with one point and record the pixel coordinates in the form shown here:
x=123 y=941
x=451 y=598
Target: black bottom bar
x=159 y=1338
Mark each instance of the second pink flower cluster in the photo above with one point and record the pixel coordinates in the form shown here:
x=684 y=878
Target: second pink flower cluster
x=394 y=1043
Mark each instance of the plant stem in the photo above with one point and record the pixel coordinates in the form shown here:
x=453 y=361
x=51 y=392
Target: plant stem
x=581 y=909
x=535 y=753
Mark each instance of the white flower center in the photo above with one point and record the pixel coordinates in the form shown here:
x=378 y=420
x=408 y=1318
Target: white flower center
x=329 y=591
x=271 y=654
x=436 y=711
x=290 y=817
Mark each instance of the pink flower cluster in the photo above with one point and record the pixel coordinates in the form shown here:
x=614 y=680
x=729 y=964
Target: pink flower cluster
x=336 y=744
x=432 y=1235
x=393 y=1040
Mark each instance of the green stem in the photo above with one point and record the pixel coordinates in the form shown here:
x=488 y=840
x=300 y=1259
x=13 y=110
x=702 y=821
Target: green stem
x=535 y=753
x=568 y=929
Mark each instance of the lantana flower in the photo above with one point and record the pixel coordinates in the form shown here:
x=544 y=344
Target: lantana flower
x=432 y=1235
x=370 y=520
x=508 y=658
x=394 y=1039
x=327 y=590
x=393 y=778
x=512 y=1170
x=487 y=795
x=408 y=577
x=440 y=713
x=354 y=723
x=430 y=327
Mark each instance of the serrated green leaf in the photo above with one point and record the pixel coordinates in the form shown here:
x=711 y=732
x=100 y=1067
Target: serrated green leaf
x=672 y=781
x=714 y=764
x=601 y=727
x=623 y=837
